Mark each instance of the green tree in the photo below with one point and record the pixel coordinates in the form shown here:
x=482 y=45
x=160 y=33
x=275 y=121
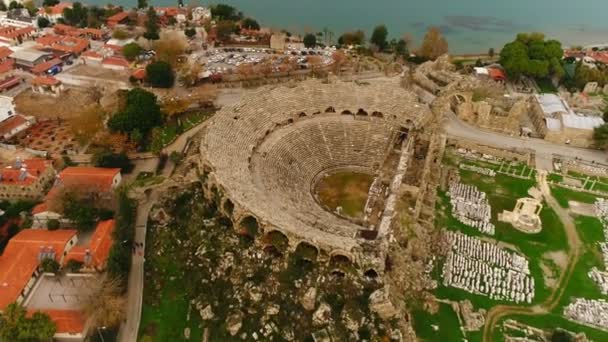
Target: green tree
x=53 y=224
x=401 y=48
x=151 y=25
x=352 y=38
x=310 y=40
x=141 y=112
x=250 y=24
x=49 y=265
x=43 y=22
x=76 y=16
x=3 y=7
x=224 y=28
x=514 y=58
x=530 y=55
x=141 y=4
x=600 y=136
x=109 y=159
x=15 y=326
x=379 y=36
x=14 y=5
x=131 y=51
x=560 y=335
x=73 y=266
x=491 y=52
x=160 y=74
x=49 y=3
x=225 y=12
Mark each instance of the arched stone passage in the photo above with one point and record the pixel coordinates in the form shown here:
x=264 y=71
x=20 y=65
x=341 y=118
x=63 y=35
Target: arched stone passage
x=277 y=239
x=338 y=274
x=306 y=251
x=371 y=274
x=361 y=112
x=273 y=251
x=301 y=114
x=377 y=115
x=228 y=207
x=330 y=110
x=339 y=259
x=249 y=226
x=347 y=112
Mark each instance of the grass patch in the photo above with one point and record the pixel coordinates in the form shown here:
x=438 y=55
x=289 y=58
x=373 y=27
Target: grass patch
x=445 y=320
x=167 y=133
x=347 y=190
x=563 y=195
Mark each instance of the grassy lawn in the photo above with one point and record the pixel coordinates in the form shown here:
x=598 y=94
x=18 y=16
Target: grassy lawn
x=502 y=192
x=442 y=326
x=167 y=133
x=347 y=190
x=590 y=232
x=545 y=85
x=563 y=195
x=555 y=177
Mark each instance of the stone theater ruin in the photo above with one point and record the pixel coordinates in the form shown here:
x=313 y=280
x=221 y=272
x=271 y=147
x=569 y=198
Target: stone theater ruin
x=266 y=154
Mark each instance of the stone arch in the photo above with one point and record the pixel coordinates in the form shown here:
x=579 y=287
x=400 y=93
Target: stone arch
x=338 y=274
x=347 y=112
x=289 y=121
x=371 y=274
x=330 y=110
x=249 y=226
x=377 y=114
x=301 y=114
x=228 y=207
x=339 y=259
x=362 y=112
x=307 y=251
x=276 y=239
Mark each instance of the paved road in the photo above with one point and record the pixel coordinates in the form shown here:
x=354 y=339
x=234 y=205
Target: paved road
x=500 y=311
x=128 y=331
x=544 y=149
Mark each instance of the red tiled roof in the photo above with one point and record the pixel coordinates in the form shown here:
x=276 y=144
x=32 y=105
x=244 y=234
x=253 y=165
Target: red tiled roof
x=33 y=167
x=496 y=74
x=92 y=54
x=5 y=52
x=40 y=208
x=44 y=66
x=66 y=321
x=118 y=17
x=55 y=10
x=116 y=61
x=9 y=82
x=7 y=66
x=139 y=74
x=45 y=80
x=20 y=259
x=92 y=177
x=11 y=123
x=64 y=43
x=99 y=246
x=601 y=57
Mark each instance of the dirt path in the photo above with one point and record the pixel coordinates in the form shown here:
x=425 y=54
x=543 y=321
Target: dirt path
x=500 y=311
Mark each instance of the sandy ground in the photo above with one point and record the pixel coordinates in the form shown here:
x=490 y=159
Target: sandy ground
x=584 y=209
x=99 y=72
x=48 y=107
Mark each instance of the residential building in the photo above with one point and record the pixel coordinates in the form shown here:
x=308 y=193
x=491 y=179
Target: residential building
x=20 y=262
x=47 y=85
x=557 y=122
x=115 y=63
x=29 y=58
x=52 y=66
x=120 y=18
x=63 y=45
x=54 y=13
x=13 y=35
x=94 y=254
x=27 y=179
x=8 y=79
x=88 y=33
x=92 y=183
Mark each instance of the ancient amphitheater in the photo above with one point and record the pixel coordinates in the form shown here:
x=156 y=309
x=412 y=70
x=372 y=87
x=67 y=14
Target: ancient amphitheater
x=265 y=155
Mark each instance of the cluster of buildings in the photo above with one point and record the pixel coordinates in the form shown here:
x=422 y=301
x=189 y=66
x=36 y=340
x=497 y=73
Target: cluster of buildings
x=22 y=279
x=471 y=207
x=483 y=268
x=557 y=122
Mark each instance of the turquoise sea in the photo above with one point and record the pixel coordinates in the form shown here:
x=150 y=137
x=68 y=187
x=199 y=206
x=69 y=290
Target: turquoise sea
x=471 y=26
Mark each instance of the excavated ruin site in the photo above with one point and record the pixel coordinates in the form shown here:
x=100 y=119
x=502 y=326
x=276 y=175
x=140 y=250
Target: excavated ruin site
x=266 y=155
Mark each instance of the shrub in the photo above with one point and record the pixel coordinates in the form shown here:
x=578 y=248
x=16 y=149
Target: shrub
x=74 y=266
x=49 y=265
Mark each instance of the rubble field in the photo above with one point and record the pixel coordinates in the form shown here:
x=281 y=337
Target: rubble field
x=203 y=279
x=47 y=107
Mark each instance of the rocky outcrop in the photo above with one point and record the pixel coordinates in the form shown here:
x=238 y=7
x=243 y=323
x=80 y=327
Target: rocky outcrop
x=309 y=299
x=380 y=303
x=322 y=315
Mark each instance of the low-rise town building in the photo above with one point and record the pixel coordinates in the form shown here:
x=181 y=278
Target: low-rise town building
x=27 y=179
x=47 y=85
